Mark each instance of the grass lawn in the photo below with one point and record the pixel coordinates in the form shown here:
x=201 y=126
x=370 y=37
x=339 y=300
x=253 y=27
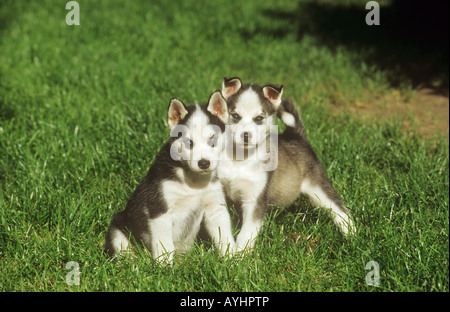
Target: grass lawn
x=82 y=116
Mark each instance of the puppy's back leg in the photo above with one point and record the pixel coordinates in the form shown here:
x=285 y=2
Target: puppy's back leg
x=324 y=195
x=116 y=239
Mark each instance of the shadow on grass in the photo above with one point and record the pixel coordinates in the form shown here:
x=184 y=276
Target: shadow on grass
x=8 y=12
x=410 y=44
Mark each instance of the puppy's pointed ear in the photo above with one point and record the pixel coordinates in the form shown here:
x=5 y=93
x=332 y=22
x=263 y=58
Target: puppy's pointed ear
x=230 y=86
x=273 y=93
x=176 y=112
x=218 y=106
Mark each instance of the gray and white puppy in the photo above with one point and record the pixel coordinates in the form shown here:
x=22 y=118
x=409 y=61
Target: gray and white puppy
x=253 y=186
x=181 y=190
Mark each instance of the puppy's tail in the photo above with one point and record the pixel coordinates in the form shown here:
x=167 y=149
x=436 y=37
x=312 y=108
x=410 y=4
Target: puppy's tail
x=291 y=118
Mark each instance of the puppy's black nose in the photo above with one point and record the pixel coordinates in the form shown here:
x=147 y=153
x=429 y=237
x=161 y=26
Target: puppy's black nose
x=246 y=136
x=203 y=163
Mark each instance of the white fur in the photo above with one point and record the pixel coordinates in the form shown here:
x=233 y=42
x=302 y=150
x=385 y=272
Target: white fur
x=250 y=105
x=119 y=241
x=187 y=207
x=319 y=198
x=288 y=119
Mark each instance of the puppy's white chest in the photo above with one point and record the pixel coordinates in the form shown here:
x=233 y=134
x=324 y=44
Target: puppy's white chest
x=243 y=181
x=180 y=198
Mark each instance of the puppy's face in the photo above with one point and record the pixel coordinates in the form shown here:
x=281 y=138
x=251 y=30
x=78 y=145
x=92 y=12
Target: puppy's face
x=248 y=118
x=199 y=136
x=251 y=111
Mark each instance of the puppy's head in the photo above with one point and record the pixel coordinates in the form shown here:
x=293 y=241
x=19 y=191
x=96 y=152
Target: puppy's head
x=251 y=110
x=198 y=132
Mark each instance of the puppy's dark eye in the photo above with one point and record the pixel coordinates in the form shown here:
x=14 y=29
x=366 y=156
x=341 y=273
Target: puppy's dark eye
x=213 y=140
x=235 y=116
x=188 y=143
x=259 y=118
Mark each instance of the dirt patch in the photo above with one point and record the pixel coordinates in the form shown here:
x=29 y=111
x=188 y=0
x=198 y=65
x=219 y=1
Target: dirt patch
x=424 y=111
x=311 y=243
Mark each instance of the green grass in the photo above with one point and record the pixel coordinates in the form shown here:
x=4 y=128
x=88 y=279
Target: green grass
x=82 y=112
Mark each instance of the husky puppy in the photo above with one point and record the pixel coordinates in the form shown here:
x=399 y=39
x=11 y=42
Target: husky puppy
x=252 y=110
x=181 y=189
